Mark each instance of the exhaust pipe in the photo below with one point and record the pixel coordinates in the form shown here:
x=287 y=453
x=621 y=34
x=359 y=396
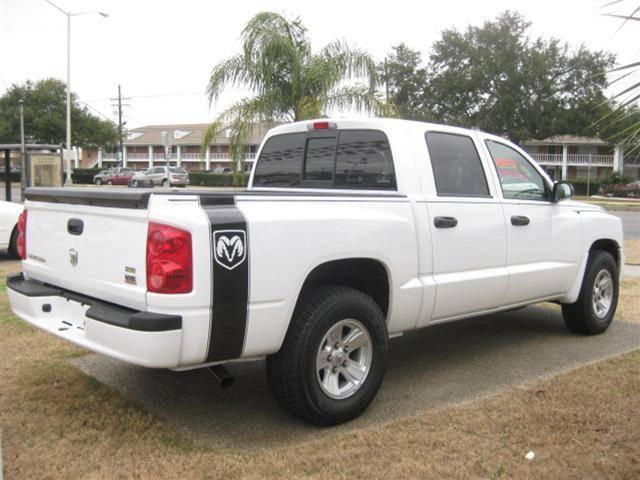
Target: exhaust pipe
x=221 y=374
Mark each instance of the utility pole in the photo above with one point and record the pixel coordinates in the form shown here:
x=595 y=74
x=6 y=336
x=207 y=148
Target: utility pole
x=118 y=104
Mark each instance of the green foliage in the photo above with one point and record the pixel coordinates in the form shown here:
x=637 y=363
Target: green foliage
x=45 y=117
x=407 y=81
x=288 y=81
x=495 y=77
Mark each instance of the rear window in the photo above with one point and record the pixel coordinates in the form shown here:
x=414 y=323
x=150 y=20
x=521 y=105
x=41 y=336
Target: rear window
x=177 y=170
x=456 y=165
x=358 y=159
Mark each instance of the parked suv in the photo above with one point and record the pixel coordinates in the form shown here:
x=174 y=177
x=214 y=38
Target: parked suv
x=114 y=176
x=163 y=176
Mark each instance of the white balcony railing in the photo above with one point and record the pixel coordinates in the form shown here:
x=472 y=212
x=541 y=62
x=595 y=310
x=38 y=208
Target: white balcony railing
x=547 y=158
x=574 y=159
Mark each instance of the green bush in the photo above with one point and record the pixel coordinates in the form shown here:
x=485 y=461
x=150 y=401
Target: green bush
x=210 y=179
x=580 y=186
x=13 y=176
x=84 y=176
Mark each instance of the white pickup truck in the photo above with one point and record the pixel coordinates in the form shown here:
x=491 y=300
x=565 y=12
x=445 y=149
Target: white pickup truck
x=351 y=231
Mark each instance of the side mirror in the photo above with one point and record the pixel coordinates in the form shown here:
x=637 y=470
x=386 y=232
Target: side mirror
x=561 y=191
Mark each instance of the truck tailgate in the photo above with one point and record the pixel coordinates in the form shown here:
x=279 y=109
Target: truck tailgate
x=89 y=249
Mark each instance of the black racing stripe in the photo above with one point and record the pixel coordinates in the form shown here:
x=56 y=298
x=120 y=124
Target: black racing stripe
x=230 y=275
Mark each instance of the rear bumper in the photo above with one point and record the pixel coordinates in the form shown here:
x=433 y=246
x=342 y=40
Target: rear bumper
x=142 y=338
x=179 y=181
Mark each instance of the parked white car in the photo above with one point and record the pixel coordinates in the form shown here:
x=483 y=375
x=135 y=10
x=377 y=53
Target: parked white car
x=350 y=231
x=9 y=213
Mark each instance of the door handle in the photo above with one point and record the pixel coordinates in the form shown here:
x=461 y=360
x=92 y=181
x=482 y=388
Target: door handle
x=445 y=222
x=75 y=226
x=519 y=220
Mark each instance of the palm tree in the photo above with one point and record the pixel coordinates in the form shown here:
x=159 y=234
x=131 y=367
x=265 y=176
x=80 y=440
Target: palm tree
x=623 y=118
x=288 y=81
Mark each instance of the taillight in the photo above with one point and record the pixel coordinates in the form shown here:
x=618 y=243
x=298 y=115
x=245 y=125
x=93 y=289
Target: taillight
x=169 y=259
x=21 y=243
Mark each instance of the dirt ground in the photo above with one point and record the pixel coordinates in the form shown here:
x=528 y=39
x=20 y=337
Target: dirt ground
x=58 y=423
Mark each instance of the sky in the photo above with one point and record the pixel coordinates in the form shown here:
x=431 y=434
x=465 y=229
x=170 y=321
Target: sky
x=161 y=52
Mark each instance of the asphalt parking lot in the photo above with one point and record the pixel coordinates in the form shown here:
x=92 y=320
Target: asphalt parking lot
x=441 y=365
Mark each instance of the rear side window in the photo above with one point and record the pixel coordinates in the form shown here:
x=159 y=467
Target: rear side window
x=355 y=159
x=364 y=161
x=280 y=163
x=456 y=165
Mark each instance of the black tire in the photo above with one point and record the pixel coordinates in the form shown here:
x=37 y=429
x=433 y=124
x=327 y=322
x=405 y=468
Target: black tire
x=13 y=243
x=292 y=371
x=134 y=183
x=581 y=317
x=98 y=181
x=109 y=182
x=165 y=183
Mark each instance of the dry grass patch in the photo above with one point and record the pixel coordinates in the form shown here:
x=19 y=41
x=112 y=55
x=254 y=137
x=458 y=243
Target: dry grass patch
x=629 y=301
x=632 y=251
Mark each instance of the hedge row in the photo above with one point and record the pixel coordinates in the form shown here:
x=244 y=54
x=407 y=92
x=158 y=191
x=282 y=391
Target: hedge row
x=580 y=186
x=208 y=179
x=13 y=176
x=84 y=176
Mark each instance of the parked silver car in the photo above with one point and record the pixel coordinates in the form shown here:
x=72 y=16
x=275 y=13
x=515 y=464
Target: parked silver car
x=161 y=176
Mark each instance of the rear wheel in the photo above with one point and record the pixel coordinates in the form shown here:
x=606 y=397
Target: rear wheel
x=109 y=182
x=333 y=358
x=593 y=312
x=98 y=181
x=134 y=183
x=165 y=183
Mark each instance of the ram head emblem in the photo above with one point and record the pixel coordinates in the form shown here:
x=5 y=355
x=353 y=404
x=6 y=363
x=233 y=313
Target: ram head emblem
x=230 y=248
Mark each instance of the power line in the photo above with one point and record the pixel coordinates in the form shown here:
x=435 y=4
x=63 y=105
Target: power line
x=91 y=107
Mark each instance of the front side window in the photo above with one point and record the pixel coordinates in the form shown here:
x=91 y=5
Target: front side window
x=518 y=178
x=456 y=165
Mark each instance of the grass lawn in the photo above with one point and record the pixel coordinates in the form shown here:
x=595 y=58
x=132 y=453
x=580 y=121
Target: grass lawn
x=58 y=423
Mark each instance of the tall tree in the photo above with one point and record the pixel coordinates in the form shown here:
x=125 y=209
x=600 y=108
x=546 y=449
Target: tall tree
x=405 y=80
x=495 y=77
x=288 y=81
x=45 y=116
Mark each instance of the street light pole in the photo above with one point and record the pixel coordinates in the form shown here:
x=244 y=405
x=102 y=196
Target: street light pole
x=23 y=160
x=67 y=162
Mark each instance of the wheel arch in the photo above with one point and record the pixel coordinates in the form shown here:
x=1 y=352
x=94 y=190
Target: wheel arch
x=609 y=245
x=368 y=275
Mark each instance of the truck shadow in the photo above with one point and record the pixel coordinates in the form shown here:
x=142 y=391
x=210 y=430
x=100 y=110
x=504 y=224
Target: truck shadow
x=441 y=365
